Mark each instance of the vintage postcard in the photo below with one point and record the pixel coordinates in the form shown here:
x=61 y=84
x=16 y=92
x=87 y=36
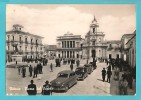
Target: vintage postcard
x=70 y=49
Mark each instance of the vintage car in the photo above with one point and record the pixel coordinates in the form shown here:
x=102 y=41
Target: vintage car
x=81 y=73
x=93 y=65
x=65 y=79
x=89 y=68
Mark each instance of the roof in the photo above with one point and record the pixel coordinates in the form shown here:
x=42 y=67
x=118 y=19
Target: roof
x=66 y=71
x=127 y=35
x=15 y=25
x=113 y=41
x=25 y=33
x=131 y=38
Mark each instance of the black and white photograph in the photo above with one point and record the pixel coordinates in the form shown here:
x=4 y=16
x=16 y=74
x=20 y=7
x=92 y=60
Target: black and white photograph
x=70 y=49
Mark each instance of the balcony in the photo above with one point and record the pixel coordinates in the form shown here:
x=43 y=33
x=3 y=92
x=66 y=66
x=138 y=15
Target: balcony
x=20 y=52
x=32 y=43
x=36 y=52
x=21 y=42
x=36 y=44
x=7 y=41
x=32 y=52
x=26 y=42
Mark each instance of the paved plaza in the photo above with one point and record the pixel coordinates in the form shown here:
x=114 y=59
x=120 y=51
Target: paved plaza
x=92 y=85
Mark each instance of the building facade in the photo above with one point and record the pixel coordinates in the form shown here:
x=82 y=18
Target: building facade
x=125 y=38
x=113 y=49
x=131 y=54
x=69 y=46
x=94 y=40
x=23 y=43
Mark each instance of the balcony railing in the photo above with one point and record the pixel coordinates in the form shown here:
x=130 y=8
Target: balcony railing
x=26 y=42
x=21 y=42
x=32 y=43
x=20 y=51
x=36 y=44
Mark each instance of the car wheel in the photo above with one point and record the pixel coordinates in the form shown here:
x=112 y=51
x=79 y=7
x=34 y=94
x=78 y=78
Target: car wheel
x=67 y=87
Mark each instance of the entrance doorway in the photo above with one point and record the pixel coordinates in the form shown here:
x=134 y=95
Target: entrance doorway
x=77 y=55
x=59 y=55
x=110 y=56
x=117 y=55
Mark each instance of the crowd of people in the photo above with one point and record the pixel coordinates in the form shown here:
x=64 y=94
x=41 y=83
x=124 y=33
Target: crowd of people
x=126 y=79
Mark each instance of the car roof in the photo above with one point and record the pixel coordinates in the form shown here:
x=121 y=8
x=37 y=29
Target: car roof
x=66 y=71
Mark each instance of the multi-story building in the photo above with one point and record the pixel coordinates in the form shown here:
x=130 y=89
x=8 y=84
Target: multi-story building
x=69 y=46
x=23 y=43
x=131 y=54
x=125 y=38
x=113 y=49
x=94 y=40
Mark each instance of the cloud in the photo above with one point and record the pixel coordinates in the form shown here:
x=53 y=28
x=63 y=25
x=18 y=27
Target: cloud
x=115 y=27
x=51 y=23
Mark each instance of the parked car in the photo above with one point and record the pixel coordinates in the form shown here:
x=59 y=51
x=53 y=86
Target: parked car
x=65 y=79
x=89 y=68
x=93 y=65
x=81 y=73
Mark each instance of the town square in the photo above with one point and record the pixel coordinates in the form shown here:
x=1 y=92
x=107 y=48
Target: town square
x=75 y=54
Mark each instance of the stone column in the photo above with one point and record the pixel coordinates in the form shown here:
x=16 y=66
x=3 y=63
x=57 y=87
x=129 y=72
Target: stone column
x=75 y=54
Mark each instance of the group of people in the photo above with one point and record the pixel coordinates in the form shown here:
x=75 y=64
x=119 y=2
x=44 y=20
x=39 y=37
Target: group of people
x=126 y=79
x=107 y=72
x=34 y=70
x=46 y=89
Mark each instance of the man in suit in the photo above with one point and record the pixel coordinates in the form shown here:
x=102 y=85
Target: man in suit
x=47 y=89
x=31 y=90
x=23 y=71
x=30 y=70
x=103 y=74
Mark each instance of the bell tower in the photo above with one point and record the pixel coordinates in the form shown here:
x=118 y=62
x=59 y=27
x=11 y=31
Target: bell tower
x=93 y=26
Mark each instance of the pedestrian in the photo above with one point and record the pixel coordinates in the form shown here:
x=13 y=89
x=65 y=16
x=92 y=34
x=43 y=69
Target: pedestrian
x=47 y=89
x=23 y=71
x=77 y=62
x=19 y=70
x=125 y=87
x=51 y=67
x=103 y=74
x=35 y=72
x=109 y=73
x=30 y=70
x=41 y=68
x=71 y=67
x=31 y=90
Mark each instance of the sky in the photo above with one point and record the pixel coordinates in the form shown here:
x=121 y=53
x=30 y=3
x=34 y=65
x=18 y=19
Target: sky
x=53 y=20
